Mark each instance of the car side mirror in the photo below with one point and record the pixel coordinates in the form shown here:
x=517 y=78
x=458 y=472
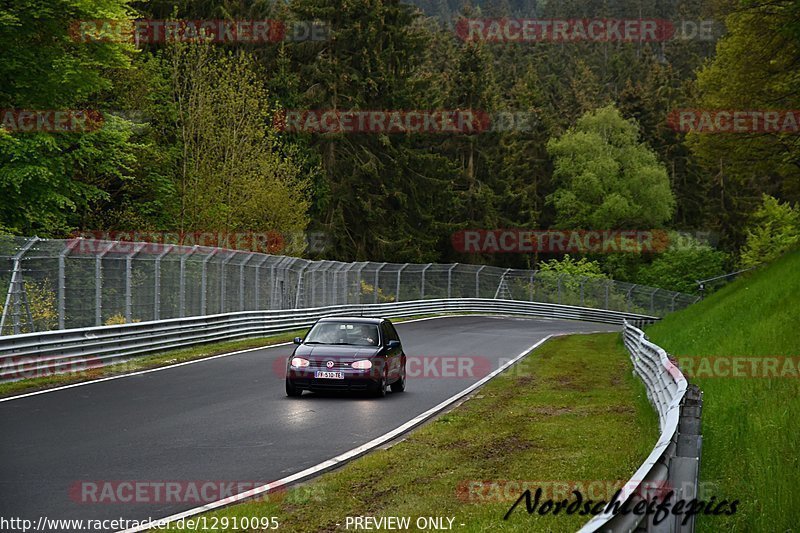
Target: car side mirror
x=298 y=340
x=393 y=344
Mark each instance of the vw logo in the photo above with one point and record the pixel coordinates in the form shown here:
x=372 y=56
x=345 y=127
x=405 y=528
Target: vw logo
x=329 y=364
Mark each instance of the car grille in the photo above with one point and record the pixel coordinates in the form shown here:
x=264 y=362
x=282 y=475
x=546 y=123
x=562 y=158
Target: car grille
x=323 y=365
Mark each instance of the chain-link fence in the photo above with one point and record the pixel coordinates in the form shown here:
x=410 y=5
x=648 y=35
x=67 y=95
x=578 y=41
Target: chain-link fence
x=58 y=284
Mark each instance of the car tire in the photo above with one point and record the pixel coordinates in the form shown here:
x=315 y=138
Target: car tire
x=380 y=390
x=400 y=384
x=292 y=391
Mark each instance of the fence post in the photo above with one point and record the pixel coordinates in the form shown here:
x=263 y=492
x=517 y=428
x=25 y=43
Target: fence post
x=16 y=279
x=652 y=301
x=129 y=281
x=608 y=285
x=241 y=279
x=377 y=279
x=346 y=285
x=533 y=275
x=422 y=287
x=628 y=298
x=204 y=282
x=559 y=287
x=358 y=285
x=478 y=281
x=257 y=292
x=157 y=291
x=397 y=291
x=98 y=284
x=299 y=286
x=223 y=282
x=62 y=281
x=450 y=280
x=182 y=282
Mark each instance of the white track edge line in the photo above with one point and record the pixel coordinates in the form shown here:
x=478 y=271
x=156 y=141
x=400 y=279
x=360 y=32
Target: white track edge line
x=339 y=459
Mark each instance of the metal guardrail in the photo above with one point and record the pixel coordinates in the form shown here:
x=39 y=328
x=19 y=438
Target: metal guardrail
x=50 y=284
x=674 y=463
x=31 y=354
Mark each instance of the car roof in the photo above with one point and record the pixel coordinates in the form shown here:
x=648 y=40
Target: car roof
x=358 y=319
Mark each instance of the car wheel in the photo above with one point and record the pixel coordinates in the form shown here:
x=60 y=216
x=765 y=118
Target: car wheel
x=400 y=384
x=380 y=391
x=292 y=391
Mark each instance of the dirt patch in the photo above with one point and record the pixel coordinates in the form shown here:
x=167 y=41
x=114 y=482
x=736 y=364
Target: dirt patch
x=550 y=411
x=567 y=383
x=525 y=380
x=502 y=447
x=627 y=409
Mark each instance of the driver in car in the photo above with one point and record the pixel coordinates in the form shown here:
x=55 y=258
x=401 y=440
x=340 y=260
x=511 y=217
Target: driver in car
x=366 y=334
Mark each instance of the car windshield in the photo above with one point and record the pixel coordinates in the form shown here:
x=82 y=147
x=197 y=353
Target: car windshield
x=343 y=333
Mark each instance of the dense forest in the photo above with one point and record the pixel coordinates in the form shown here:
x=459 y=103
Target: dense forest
x=191 y=137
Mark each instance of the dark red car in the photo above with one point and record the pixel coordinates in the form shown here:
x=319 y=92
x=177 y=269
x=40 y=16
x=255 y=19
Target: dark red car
x=347 y=354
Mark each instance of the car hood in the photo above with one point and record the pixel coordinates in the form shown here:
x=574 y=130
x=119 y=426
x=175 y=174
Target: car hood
x=338 y=353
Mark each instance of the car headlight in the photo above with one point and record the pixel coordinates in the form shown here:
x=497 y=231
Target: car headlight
x=362 y=365
x=299 y=362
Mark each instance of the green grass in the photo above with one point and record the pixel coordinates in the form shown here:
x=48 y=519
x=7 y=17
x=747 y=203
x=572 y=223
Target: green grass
x=571 y=411
x=751 y=432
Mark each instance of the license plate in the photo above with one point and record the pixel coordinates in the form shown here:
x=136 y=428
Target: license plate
x=322 y=374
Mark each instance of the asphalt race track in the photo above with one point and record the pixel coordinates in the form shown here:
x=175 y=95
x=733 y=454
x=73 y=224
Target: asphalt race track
x=223 y=420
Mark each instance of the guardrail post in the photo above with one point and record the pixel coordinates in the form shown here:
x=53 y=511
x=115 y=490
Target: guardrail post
x=129 y=281
x=157 y=288
x=684 y=467
x=450 y=280
x=182 y=282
